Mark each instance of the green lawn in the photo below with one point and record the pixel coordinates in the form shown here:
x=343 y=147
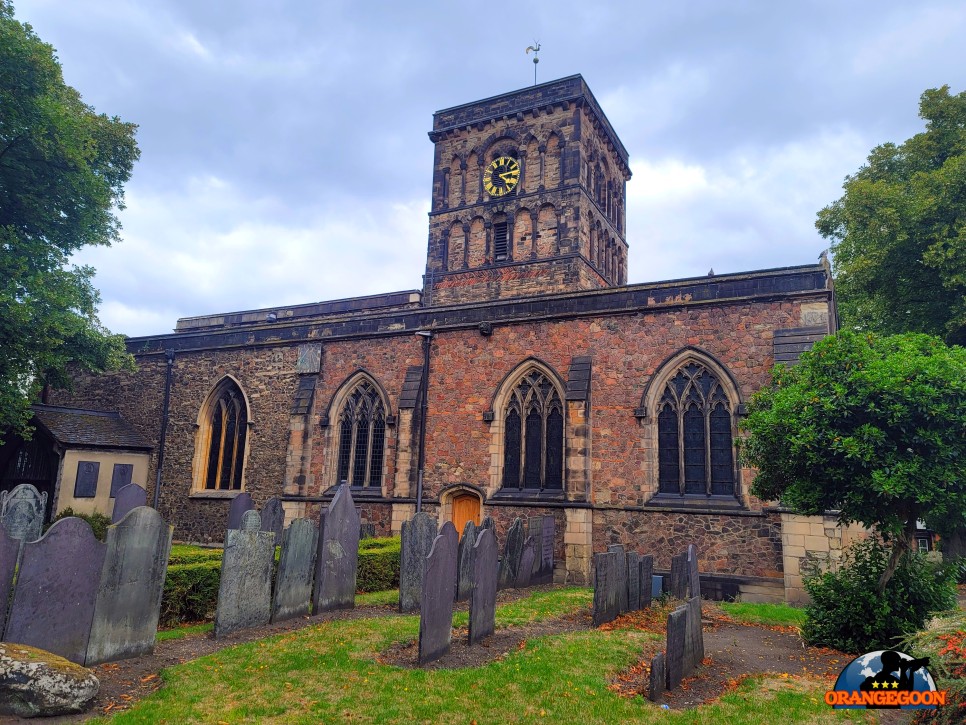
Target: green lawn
x=328 y=673
x=768 y=614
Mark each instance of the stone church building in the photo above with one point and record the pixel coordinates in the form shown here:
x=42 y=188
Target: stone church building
x=526 y=377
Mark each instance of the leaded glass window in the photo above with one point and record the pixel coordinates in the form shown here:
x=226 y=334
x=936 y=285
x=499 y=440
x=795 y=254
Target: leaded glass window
x=362 y=437
x=695 y=445
x=228 y=435
x=533 y=441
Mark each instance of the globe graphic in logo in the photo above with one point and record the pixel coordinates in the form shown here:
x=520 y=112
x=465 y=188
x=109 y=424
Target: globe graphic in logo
x=870 y=670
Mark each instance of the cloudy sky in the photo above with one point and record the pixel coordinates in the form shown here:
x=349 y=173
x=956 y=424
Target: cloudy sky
x=284 y=155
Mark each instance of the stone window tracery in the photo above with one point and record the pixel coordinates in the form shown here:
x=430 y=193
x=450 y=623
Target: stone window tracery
x=224 y=436
x=362 y=436
x=533 y=435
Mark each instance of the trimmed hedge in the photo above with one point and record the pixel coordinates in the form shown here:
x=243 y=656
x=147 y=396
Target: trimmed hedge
x=98 y=522
x=378 y=564
x=189 y=554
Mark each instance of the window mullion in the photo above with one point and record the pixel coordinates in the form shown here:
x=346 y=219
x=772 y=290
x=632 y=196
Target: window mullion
x=681 y=475
x=707 y=448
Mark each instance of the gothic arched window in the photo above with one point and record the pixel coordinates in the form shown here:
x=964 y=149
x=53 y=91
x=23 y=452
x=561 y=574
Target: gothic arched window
x=225 y=434
x=533 y=439
x=695 y=440
x=362 y=436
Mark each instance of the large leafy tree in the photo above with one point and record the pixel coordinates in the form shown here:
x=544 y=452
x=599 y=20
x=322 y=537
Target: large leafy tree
x=899 y=231
x=873 y=427
x=62 y=172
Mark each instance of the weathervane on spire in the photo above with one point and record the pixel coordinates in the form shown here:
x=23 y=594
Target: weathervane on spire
x=536 y=49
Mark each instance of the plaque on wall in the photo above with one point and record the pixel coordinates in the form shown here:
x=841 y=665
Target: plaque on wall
x=310 y=359
x=85 y=485
x=121 y=477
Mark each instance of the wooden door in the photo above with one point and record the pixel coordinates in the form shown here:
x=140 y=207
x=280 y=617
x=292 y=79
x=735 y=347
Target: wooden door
x=466 y=507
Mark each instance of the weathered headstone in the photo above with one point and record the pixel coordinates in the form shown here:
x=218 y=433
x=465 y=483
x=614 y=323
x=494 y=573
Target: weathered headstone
x=416 y=541
x=273 y=518
x=679 y=576
x=544 y=536
x=658 y=678
x=488 y=523
x=367 y=531
x=483 y=594
x=22 y=512
x=464 y=565
x=512 y=551
x=129 y=597
x=251 y=521
x=338 y=555
x=647 y=586
x=245 y=592
x=436 y=599
x=127 y=499
x=694 y=577
x=296 y=564
x=677 y=623
x=239 y=505
x=620 y=576
x=527 y=560
x=695 y=635
x=633 y=581
x=53 y=599
x=606 y=598
x=657 y=586
x=9 y=558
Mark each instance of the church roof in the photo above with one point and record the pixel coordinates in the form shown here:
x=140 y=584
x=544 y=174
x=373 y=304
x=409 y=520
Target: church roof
x=80 y=428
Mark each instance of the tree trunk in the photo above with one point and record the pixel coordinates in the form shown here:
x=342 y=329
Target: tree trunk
x=901 y=545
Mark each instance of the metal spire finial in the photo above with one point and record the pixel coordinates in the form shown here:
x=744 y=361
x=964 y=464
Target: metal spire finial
x=536 y=49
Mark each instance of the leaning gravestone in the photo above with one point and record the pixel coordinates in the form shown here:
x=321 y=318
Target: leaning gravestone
x=633 y=581
x=251 y=521
x=657 y=679
x=416 y=540
x=679 y=576
x=239 y=505
x=296 y=563
x=128 y=498
x=53 y=599
x=464 y=575
x=436 y=600
x=245 y=591
x=694 y=577
x=647 y=585
x=9 y=558
x=544 y=535
x=527 y=560
x=272 y=518
x=606 y=599
x=676 y=643
x=337 y=558
x=22 y=512
x=129 y=597
x=695 y=635
x=512 y=551
x=483 y=594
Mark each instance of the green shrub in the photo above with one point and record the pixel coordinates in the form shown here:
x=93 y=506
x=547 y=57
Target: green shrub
x=378 y=564
x=846 y=612
x=99 y=522
x=190 y=554
x=944 y=643
x=190 y=592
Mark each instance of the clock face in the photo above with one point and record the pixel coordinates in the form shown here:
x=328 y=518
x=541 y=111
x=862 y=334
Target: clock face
x=501 y=176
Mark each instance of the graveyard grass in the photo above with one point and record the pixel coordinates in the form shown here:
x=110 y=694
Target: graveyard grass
x=766 y=614
x=330 y=673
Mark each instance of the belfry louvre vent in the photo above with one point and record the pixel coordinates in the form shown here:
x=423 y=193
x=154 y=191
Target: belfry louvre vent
x=501 y=244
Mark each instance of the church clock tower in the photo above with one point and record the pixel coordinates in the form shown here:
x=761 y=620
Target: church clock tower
x=528 y=197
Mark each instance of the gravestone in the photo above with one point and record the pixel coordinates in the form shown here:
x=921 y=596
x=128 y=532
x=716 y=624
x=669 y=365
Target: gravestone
x=483 y=594
x=657 y=586
x=53 y=599
x=273 y=518
x=657 y=679
x=367 y=531
x=677 y=623
x=416 y=540
x=127 y=499
x=527 y=560
x=695 y=635
x=620 y=576
x=337 y=558
x=633 y=581
x=296 y=564
x=543 y=567
x=437 y=596
x=22 y=512
x=239 y=505
x=488 y=524
x=679 y=576
x=606 y=598
x=512 y=551
x=9 y=558
x=251 y=521
x=129 y=596
x=245 y=592
x=647 y=586
x=694 y=577
x=616 y=549
x=464 y=565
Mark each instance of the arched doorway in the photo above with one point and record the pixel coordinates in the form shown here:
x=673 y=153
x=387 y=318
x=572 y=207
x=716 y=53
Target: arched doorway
x=466 y=507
